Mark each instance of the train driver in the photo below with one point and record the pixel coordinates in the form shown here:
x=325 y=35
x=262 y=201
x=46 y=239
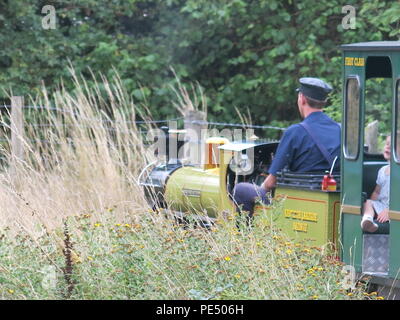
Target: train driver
x=308 y=146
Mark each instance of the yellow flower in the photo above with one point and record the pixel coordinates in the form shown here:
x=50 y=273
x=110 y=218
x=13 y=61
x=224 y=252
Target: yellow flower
x=10 y=291
x=97 y=225
x=314 y=297
x=350 y=294
x=237 y=276
x=288 y=251
x=227 y=258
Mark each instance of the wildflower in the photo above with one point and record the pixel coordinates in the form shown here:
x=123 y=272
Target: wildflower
x=350 y=294
x=75 y=257
x=237 y=276
x=315 y=297
x=195 y=266
x=227 y=258
x=288 y=251
x=127 y=225
x=10 y=291
x=97 y=225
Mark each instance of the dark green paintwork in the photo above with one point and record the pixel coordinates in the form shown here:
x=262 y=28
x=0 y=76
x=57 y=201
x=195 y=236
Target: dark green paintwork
x=353 y=172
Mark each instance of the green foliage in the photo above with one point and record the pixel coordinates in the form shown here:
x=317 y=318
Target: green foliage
x=244 y=54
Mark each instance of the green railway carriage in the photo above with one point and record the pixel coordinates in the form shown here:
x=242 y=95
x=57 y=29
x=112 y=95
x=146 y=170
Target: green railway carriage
x=309 y=213
x=375 y=254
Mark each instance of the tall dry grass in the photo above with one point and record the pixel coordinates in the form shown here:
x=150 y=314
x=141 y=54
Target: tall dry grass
x=76 y=159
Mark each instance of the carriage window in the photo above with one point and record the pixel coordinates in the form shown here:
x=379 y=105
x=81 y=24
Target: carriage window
x=378 y=114
x=352 y=120
x=397 y=134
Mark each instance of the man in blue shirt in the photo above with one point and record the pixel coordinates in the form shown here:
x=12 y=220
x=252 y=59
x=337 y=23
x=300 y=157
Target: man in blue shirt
x=305 y=147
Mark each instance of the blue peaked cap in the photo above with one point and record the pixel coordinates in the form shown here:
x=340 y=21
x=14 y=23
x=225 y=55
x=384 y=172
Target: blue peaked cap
x=314 y=88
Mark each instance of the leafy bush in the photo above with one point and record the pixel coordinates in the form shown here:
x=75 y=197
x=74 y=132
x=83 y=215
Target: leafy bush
x=244 y=54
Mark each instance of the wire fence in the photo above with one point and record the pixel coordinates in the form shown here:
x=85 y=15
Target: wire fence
x=106 y=122
x=199 y=122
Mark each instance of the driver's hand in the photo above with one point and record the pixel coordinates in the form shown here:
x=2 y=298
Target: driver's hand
x=269 y=182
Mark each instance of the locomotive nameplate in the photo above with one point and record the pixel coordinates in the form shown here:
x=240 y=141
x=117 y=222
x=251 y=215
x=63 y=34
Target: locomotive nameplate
x=300 y=226
x=301 y=215
x=191 y=193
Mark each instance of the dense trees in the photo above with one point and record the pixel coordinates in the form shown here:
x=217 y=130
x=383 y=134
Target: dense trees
x=244 y=54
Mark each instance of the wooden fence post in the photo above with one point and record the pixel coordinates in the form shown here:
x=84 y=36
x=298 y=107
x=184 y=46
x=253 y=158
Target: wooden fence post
x=195 y=126
x=17 y=133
